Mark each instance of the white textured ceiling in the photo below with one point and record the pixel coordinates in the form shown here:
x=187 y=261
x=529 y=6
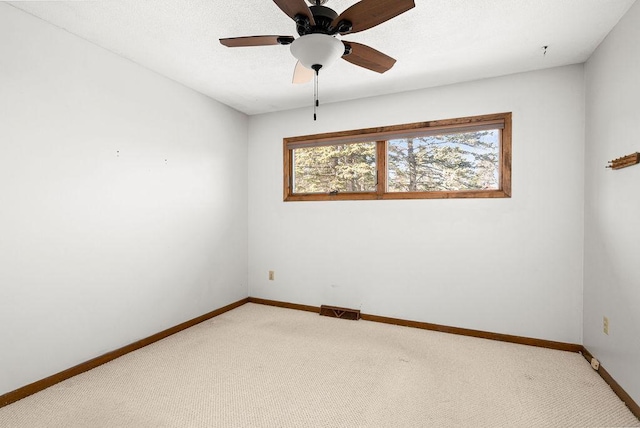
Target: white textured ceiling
x=436 y=43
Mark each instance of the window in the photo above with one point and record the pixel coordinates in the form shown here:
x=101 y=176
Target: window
x=458 y=158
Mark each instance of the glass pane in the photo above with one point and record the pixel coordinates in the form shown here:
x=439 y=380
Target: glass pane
x=450 y=162
x=341 y=168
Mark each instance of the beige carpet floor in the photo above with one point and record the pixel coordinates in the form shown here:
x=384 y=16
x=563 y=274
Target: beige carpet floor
x=259 y=366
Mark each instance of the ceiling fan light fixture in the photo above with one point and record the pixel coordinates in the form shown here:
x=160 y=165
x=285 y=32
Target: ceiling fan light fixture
x=317 y=49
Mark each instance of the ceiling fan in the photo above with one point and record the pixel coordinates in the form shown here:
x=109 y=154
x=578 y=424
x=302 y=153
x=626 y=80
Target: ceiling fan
x=317 y=25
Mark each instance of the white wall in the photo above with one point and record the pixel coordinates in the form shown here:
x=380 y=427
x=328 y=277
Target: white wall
x=99 y=250
x=612 y=206
x=508 y=265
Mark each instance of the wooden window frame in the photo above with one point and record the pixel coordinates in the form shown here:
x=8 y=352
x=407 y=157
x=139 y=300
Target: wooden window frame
x=381 y=135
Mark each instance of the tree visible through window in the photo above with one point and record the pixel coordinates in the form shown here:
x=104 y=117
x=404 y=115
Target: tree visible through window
x=466 y=157
x=448 y=162
x=338 y=168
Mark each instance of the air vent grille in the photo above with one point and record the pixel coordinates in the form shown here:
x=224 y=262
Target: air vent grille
x=336 y=312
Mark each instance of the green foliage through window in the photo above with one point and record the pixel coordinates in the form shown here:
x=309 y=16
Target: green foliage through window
x=338 y=168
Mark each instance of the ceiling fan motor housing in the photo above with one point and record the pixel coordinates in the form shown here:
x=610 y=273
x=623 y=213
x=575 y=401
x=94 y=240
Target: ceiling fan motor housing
x=322 y=15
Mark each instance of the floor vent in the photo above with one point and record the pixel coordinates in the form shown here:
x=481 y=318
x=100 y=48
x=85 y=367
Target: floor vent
x=344 y=313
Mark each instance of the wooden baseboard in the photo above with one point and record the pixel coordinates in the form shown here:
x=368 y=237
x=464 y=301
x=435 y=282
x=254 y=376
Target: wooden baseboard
x=521 y=340
x=615 y=386
x=562 y=346
x=284 y=304
x=39 y=385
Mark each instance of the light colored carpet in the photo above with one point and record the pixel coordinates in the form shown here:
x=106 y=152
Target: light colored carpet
x=259 y=366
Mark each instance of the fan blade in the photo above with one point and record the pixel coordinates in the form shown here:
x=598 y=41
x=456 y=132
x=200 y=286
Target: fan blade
x=302 y=74
x=235 y=42
x=369 y=13
x=295 y=7
x=367 y=57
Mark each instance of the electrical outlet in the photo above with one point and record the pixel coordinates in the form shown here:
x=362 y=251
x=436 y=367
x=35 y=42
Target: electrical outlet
x=272 y=275
x=605 y=325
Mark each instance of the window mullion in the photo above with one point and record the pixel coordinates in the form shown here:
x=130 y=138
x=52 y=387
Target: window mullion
x=381 y=167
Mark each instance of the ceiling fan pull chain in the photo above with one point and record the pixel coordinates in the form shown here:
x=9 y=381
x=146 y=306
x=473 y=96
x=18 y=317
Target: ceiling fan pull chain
x=316 y=103
x=315 y=96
